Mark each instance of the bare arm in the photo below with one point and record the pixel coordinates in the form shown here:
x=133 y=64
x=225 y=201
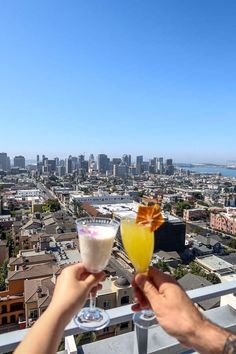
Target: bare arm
x=177 y=314
x=71 y=291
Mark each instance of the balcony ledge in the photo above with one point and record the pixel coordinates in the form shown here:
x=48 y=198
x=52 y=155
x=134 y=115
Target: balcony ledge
x=141 y=341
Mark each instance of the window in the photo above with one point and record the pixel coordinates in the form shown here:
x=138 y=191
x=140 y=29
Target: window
x=4 y=308
x=4 y=320
x=124 y=325
x=106 y=330
x=16 y=307
x=13 y=319
x=107 y=304
x=33 y=314
x=124 y=300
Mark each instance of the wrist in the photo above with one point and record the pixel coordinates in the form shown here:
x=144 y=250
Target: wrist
x=209 y=338
x=60 y=314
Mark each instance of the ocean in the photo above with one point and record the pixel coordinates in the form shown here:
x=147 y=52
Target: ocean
x=213 y=169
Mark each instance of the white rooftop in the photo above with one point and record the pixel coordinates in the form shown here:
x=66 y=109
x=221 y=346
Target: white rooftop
x=214 y=263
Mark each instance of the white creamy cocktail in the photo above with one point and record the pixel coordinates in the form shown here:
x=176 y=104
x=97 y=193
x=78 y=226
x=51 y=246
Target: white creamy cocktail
x=96 y=237
x=95 y=242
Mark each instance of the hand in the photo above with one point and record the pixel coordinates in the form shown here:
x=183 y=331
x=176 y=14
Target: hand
x=173 y=308
x=72 y=289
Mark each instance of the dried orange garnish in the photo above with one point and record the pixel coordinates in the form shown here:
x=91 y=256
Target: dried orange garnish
x=150 y=216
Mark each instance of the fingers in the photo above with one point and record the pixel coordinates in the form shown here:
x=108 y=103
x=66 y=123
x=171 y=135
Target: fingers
x=148 y=288
x=95 y=289
x=159 y=278
x=93 y=279
x=136 y=308
x=140 y=298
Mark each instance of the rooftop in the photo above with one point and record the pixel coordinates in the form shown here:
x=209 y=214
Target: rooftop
x=213 y=263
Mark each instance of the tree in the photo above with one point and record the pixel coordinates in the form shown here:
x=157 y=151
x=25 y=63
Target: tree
x=51 y=205
x=167 y=207
x=3 y=275
x=84 y=338
x=2 y=282
x=213 y=278
x=180 y=206
x=161 y=265
x=179 y=272
x=197 y=195
x=10 y=244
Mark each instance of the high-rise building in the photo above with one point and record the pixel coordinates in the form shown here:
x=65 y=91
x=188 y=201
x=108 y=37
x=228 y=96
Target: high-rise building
x=61 y=171
x=74 y=161
x=120 y=170
x=126 y=159
x=103 y=163
x=8 y=163
x=116 y=161
x=37 y=159
x=19 y=161
x=51 y=166
x=91 y=163
x=57 y=161
x=139 y=165
x=169 y=168
x=3 y=161
x=80 y=161
x=68 y=163
x=160 y=165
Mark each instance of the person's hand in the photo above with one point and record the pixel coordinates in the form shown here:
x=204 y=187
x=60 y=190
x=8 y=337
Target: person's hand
x=173 y=308
x=72 y=289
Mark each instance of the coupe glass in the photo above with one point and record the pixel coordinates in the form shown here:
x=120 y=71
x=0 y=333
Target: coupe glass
x=138 y=241
x=96 y=237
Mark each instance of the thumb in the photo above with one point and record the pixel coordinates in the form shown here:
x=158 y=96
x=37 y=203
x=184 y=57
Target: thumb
x=94 y=279
x=146 y=285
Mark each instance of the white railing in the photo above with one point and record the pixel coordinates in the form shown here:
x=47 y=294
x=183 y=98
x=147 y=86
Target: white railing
x=155 y=338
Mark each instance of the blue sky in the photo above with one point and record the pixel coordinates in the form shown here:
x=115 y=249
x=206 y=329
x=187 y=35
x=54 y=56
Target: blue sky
x=155 y=77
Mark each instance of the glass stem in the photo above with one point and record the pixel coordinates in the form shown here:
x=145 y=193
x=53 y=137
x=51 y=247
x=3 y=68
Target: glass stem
x=148 y=314
x=92 y=302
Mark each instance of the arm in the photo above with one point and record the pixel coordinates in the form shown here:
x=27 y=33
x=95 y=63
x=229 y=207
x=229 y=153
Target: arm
x=177 y=314
x=71 y=291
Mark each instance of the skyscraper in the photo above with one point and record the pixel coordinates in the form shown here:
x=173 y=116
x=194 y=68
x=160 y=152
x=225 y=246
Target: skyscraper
x=160 y=165
x=126 y=159
x=19 y=161
x=80 y=161
x=3 y=161
x=139 y=165
x=169 y=168
x=68 y=165
x=103 y=163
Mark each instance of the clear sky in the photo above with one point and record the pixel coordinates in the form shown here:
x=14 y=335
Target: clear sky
x=151 y=77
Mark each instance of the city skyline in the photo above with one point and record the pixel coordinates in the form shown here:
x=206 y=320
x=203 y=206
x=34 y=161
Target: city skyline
x=151 y=78
x=31 y=158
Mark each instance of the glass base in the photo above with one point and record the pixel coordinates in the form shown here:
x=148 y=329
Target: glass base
x=92 y=320
x=145 y=319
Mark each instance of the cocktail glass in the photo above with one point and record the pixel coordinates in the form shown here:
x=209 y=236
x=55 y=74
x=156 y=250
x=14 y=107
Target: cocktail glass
x=96 y=237
x=138 y=241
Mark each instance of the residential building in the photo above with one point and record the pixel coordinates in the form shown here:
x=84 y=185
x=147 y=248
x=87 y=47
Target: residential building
x=224 y=221
x=103 y=198
x=194 y=214
x=191 y=282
